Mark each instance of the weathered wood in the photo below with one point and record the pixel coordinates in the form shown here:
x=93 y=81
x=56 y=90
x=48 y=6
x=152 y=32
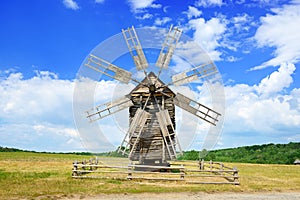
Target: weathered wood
x=94 y=171
x=156 y=167
x=207 y=175
x=213 y=183
x=99 y=166
x=151 y=147
x=157 y=178
x=185 y=171
x=156 y=173
x=212 y=171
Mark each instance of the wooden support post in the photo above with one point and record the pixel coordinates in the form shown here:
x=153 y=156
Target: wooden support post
x=163 y=151
x=235 y=176
x=221 y=168
x=129 y=176
x=210 y=165
x=141 y=101
x=75 y=173
x=202 y=164
x=182 y=172
x=83 y=162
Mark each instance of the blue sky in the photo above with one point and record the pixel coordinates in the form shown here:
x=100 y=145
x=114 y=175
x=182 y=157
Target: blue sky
x=255 y=44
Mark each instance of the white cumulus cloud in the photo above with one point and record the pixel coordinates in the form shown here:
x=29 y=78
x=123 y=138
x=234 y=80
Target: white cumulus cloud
x=138 y=6
x=280 y=29
x=145 y=16
x=162 y=21
x=192 y=12
x=71 y=4
x=208 y=3
x=278 y=80
x=263 y=112
x=208 y=34
x=38 y=108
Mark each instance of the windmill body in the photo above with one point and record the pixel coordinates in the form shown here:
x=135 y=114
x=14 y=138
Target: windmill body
x=151 y=144
x=151 y=137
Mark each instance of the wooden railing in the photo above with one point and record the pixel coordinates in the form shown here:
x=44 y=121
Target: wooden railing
x=188 y=171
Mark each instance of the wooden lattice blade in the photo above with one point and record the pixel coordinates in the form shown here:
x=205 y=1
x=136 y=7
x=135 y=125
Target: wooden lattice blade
x=196 y=109
x=201 y=71
x=134 y=130
x=168 y=47
x=108 y=69
x=135 y=48
x=107 y=109
x=168 y=133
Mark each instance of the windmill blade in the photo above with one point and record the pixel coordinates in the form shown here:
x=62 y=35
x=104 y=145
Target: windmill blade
x=168 y=47
x=168 y=132
x=135 y=48
x=107 y=109
x=193 y=74
x=134 y=131
x=108 y=69
x=196 y=109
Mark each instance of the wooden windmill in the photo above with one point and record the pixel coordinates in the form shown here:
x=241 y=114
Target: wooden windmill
x=151 y=137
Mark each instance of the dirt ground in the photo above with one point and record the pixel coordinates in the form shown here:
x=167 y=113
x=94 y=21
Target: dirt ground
x=194 y=196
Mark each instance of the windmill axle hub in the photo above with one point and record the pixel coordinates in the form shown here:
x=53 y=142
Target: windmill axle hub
x=152 y=88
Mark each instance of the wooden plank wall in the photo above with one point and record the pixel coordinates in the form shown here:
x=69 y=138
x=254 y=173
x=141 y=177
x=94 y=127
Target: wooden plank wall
x=151 y=142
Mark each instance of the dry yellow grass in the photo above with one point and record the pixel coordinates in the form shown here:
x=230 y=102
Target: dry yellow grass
x=31 y=175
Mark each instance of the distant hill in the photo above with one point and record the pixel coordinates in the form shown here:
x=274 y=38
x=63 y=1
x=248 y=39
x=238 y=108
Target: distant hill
x=264 y=154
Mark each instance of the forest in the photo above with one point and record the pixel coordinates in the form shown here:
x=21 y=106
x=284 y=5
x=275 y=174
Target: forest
x=263 y=154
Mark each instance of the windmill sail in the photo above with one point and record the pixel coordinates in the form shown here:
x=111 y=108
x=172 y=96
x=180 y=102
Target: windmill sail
x=168 y=132
x=168 y=47
x=108 y=69
x=134 y=131
x=107 y=109
x=135 y=48
x=195 y=73
x=196 y=109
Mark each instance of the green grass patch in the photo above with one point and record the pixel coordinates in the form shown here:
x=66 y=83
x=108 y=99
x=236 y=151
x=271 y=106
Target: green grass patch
x=25 y=175
x=118 y=182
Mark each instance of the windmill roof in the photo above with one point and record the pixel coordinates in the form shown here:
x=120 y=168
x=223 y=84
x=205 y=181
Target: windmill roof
x=152 y=78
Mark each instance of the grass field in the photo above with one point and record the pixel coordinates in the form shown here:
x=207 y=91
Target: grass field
x=32 y=175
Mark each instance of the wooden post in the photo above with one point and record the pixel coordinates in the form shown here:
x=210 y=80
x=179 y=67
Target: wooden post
x=83 y=164
x=202 y=164
x=182 y=172
x=210 y=165
x=163 y=151
x=75 y=167
x=129 y=176
x=141 y=101
x=235 y=176
x=221 y=168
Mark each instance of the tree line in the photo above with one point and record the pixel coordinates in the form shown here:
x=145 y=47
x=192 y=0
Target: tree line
x=263 y=154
